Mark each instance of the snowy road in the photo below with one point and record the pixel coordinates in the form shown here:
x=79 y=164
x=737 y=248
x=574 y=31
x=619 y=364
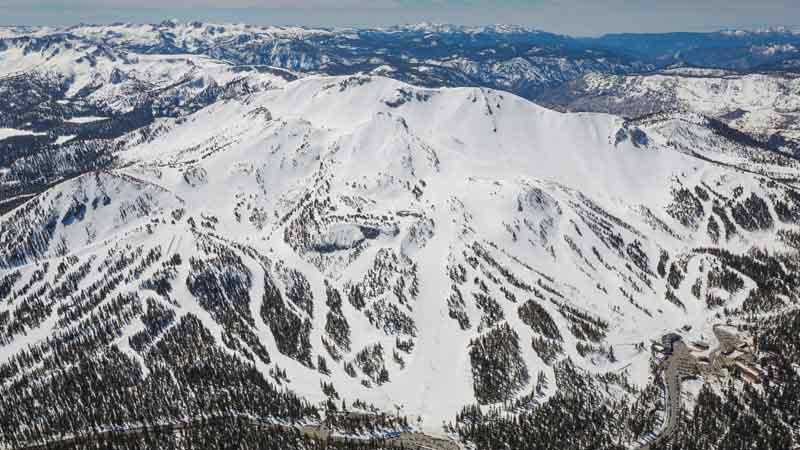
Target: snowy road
x=678 y=365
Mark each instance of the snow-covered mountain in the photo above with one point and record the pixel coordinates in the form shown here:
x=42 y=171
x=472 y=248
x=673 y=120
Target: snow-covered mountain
x=53 y=80
x=511 y=58
x=360 y=239
x=64 y=99
x=270 y=226
x=763 y=105
x=113 y=78
x=517 y=59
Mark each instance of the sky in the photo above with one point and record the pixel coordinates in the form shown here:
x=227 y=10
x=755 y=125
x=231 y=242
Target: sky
x=574 y=17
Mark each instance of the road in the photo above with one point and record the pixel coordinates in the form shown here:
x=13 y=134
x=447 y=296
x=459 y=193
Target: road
x=406 y=440
x=678 y=365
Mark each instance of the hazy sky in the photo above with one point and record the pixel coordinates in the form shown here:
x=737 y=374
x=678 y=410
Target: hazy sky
x=576 y=17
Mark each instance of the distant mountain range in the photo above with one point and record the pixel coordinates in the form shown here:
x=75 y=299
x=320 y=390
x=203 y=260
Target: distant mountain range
x=763 y=104
x=516 y=59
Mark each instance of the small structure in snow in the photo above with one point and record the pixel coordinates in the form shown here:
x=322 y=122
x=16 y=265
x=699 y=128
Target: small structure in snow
x=668 y=340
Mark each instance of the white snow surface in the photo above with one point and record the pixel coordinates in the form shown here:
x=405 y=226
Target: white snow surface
x=85 y=119
x=446 y=168
x=116 y=79
x=763 y=103
x=10 y=132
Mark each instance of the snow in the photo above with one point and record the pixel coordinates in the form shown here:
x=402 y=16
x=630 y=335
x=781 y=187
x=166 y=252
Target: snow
x=761 y=99
x=190 y=35
x=116 y=79
x=85 y=119
x=64 y=139
x=488 y=168
x=350 y=126
x=10 y=132
x=341 y=236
